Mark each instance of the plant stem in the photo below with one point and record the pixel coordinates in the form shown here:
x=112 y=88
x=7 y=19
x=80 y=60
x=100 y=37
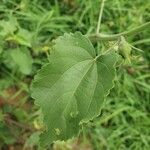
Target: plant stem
x=100 y=16
x=106 y=37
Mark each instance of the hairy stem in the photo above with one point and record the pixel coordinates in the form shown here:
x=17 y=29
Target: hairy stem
x=100 y=16
x=106 y=37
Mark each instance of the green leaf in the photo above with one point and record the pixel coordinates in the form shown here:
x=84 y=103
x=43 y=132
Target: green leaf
x=8 y=26
x=22 y=37
x=32 y=140
x=23 y=60
x=71 y=88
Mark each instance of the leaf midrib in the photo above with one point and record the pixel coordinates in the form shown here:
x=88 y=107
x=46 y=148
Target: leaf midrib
x=61 y=77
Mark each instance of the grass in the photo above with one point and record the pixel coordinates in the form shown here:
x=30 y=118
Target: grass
x=124 y=122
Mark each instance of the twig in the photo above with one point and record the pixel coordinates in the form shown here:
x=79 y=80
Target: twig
x=100 y=16
x=106 y=37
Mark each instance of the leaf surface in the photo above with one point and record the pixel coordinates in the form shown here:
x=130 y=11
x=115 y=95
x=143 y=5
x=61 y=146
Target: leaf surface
x=71 y=88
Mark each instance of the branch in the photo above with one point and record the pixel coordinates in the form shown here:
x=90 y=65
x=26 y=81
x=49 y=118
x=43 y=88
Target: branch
x=106 y=37
x=100 y=16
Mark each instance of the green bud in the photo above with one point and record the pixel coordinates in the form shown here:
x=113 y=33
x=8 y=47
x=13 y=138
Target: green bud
x=125 y=49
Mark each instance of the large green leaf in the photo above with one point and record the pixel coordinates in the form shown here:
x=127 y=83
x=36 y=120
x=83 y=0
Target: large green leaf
x=72 y=87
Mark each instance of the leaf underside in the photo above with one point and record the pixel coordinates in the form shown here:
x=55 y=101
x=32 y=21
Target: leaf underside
x=71 y=88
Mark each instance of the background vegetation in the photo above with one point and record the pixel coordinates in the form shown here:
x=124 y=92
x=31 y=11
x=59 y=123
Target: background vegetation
x=27 y=29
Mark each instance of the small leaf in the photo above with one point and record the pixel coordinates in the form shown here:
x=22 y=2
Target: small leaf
x=71 y=88
x=23 y=60
x=8 y=26
x=32 y=140
x=22 y=37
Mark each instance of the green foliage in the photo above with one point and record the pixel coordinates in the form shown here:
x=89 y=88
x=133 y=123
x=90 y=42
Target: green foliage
x=27 y=29
x=5 y=134
x=1 y=116
x=1 y=47
x=8 y=27
x=22 y=60
x=22 y=37
x=72 y=87
x=32 y=140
